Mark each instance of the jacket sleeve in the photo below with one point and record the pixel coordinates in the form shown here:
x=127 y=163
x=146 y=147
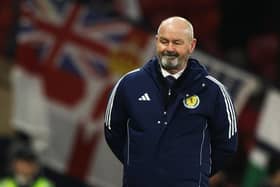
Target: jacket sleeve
x=115 y=122
x=223 y=130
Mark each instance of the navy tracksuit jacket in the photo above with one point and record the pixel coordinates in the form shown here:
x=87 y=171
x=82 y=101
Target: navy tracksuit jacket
x=175 y=140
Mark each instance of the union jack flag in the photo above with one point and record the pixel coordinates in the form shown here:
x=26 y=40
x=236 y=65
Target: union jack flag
x=77 y=53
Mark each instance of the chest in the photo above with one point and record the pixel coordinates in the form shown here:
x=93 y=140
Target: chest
x=148 y=107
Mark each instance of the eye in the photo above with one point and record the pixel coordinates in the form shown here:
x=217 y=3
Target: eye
x=164 y=41
x=178 y=42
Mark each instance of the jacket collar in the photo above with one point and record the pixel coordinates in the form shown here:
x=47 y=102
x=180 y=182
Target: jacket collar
x=193 y=73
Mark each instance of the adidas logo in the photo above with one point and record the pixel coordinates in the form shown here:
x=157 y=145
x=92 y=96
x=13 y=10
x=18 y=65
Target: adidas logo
x=144 y=97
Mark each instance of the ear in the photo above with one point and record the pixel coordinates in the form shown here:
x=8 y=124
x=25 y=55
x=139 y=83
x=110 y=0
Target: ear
x=156 y=37
x=192 y=45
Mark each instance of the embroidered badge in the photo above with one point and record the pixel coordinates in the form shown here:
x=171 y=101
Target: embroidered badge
x=191 y=102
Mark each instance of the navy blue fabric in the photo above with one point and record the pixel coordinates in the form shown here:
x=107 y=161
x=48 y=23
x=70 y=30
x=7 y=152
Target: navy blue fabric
x=170 y=80
x=161 y=140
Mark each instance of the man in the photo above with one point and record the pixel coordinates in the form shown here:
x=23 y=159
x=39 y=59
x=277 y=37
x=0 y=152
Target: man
x=25 y=170
x=170 y=134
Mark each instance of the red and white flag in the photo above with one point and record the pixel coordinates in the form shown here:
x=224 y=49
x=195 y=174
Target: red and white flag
x=68 y=58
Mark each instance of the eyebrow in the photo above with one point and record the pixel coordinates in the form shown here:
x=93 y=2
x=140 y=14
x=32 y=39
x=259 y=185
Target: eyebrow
x=174 y=40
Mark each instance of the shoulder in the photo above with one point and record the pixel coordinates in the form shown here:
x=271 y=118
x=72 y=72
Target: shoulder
x=44 y=182
x=129 y=75
x=123 y=82
x=7 y=181
x=132 y=77
x=214 y=83
x=216 y=86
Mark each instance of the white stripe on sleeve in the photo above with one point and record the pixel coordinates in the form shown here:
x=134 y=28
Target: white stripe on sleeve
x=111 y=101
x=229 y=107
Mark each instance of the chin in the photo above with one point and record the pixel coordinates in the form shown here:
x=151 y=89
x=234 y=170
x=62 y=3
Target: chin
x=171 y=65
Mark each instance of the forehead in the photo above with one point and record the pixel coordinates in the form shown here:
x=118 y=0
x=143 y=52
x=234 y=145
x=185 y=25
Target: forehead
x=173 y=31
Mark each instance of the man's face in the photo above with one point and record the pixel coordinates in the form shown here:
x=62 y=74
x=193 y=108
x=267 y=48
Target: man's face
x=173 y=47
x=24 y=170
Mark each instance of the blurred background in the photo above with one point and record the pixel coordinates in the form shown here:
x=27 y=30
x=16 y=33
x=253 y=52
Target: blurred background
x=59 y=60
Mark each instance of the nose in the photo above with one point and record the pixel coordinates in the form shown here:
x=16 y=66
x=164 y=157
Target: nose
x=170 y=47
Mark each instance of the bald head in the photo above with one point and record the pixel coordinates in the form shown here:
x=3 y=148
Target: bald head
x=177 y=23
x=174 y=42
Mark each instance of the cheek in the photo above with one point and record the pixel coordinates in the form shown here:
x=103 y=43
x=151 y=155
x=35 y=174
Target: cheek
x=160 y=48
x=184 y=51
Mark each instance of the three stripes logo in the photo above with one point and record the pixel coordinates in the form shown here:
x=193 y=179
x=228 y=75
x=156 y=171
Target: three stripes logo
x=144 y=97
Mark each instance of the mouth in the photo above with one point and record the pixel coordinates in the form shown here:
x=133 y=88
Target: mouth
x=169 y=57
x=170 y=54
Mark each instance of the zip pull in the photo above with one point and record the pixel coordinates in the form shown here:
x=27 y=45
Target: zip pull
x=169 y=92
